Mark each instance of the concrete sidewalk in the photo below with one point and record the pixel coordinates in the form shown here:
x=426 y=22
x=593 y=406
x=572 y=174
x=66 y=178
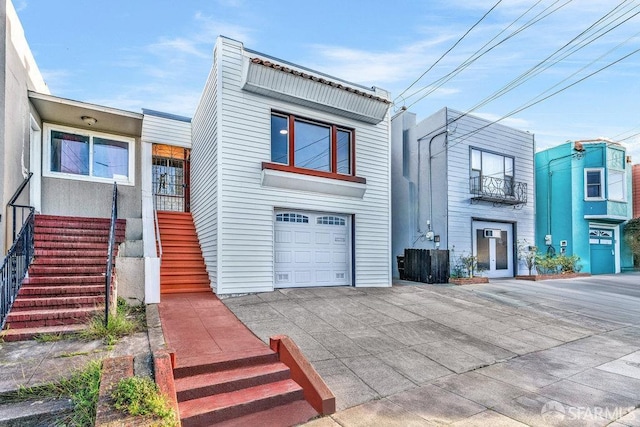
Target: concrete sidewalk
x=432 y=355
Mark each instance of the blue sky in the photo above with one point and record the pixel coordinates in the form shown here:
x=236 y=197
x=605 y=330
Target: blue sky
x=157 y=54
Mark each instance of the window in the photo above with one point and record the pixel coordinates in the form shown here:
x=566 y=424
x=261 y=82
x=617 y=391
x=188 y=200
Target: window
x=615 y=185
x=305 y=144
x=330 y=220
x=83 y=155
x=292 y=217
x=593 y=179
x=492 y=171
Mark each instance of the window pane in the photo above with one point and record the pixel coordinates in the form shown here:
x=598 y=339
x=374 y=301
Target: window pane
x=476 y=160
x=502 y=252
x=69 y=153
x=110 y=158
x=508 y=166
x=616 y=185
x=482 y=247
x=279 y=139
x=492 y=165
x=344 y=152
x=313 y=146
x=593 y=184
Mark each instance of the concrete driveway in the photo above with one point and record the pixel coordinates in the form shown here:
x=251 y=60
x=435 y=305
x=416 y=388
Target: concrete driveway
x=558 y=352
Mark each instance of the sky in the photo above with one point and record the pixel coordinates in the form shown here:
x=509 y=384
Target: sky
x=157 y=54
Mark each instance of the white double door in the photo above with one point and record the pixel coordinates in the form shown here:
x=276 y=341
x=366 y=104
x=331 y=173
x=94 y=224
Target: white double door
x=493 y=247
x=311 y=249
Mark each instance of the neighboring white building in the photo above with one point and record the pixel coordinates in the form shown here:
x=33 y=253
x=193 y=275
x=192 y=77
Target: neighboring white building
x=290 y=176
x=464 y=183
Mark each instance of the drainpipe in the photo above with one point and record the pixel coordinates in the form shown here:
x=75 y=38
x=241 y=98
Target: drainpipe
x=430 y=177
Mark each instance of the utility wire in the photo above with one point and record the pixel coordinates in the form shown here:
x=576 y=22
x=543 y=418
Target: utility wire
x=485 y=50
x=535 y=102
x=449 y=50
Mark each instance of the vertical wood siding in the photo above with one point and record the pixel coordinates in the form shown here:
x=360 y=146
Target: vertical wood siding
x=231 y=139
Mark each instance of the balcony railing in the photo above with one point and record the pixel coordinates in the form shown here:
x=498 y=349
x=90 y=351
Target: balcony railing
x=498 y=190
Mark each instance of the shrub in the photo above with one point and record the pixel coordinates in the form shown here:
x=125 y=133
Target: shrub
x=527 y=254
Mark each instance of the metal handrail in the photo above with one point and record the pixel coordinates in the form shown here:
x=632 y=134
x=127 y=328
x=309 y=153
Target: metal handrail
x=15 y=265
x=498 y=189
x=112 y=235
x=157 y=230
x=14 y=206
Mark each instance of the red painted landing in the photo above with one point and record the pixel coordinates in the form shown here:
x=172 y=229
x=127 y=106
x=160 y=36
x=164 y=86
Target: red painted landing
x=224 y=373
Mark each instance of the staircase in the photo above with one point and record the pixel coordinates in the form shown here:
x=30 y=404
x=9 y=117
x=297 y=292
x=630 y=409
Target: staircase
x=251 y=388
x=182 y=266
x=66 y=280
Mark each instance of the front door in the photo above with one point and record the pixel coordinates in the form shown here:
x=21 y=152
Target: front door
x=171 y=178
x=493 y=247
x=602 y=250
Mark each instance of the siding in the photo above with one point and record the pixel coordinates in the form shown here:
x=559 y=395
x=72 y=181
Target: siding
x=245 y=208
x=162 y=130
x=204 y=174
x=500 y=139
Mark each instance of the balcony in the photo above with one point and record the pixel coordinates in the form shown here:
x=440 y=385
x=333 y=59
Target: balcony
x=498 y=190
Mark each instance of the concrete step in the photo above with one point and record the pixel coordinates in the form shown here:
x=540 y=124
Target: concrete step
x=225 y=406
x=48 y=317
x=73 y=253
x=59 y=290
x=103 y=231
x=230 y=380
x=46 y=244
x=73 y=238
x=185 y=289
x=184 y=264
x=41 y=412
x=64 y=261
x=24 y=334
x=24 y=303
x=226 y=361
x=64 y=280
x=201 y=279
x=290 y=414
x=76 y=270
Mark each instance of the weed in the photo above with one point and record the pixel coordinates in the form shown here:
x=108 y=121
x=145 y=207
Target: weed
x=81 y=387
x=125 y=321
x=49 y=337
x=139 y=396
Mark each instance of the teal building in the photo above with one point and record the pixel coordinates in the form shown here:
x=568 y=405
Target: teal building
x=583 y=199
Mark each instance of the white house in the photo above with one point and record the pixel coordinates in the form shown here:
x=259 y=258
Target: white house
x=290 y=176
x=464 y=183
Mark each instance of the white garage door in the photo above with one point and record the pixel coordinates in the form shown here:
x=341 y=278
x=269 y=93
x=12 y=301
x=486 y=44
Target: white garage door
x=311 y=249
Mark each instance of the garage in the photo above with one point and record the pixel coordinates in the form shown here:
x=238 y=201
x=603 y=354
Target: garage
x=312 y=249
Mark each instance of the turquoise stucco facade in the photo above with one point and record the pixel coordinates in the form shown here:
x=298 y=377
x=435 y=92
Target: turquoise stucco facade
x=590 y=220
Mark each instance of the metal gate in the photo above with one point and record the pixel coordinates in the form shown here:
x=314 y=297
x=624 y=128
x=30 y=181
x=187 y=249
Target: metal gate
x=171 y=178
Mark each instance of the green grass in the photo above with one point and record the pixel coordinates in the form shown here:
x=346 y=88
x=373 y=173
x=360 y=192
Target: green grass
x=49 y=337
x=126 y=321
x=81 y=387
x=139 y=396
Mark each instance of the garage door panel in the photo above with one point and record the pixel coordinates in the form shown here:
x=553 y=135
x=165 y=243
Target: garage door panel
x=312 y=253
x=284 y=257
x=303 y=237
x=283 y=236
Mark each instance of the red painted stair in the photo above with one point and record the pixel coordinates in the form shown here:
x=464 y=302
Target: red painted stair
x=182 y=268
x=65 y=283
x=238 y=389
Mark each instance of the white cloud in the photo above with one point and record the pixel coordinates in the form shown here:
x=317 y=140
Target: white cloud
x=513 y=122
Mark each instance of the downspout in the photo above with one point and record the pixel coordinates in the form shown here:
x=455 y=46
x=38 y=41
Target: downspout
x=430 y=176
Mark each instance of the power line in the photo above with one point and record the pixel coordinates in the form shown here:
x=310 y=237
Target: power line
x=484 y=50
x=448 y=50
x=533 y=102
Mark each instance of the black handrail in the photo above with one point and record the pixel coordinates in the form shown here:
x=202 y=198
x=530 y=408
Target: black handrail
x=15 y=207
x=112 y=235
x=15 y=265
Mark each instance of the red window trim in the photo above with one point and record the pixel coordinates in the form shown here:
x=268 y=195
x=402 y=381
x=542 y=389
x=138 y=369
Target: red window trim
x=291 y=161
x=312 y=172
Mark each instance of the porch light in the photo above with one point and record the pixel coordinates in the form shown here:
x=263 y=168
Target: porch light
x=89 y=121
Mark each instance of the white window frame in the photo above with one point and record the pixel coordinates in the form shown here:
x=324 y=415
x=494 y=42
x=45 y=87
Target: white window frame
x=602 y=184
x=46 y=163
x=624 y=185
